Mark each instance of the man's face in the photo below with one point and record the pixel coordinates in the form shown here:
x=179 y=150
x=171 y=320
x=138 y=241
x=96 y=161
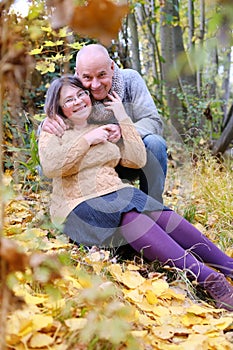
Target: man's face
x=96 y=74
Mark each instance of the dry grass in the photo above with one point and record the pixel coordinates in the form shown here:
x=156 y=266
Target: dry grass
x=202 y=191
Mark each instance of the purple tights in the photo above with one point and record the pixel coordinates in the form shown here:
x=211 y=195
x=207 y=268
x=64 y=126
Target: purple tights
x=169 y=238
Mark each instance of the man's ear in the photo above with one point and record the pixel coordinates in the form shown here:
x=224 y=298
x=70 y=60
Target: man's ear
x=112 y=64
x=76 y=72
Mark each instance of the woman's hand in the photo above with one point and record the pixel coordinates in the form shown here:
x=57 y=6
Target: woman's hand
x=98 y=135
x=116 y=106
x=54 y=126
x=114 y=132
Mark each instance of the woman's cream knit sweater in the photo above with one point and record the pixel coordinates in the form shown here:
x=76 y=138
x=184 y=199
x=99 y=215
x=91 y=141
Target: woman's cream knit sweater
x=80 y=171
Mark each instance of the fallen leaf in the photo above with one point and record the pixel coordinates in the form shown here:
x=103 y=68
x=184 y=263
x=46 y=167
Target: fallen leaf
x=164 y=332
x=75 y=324
x=40 y=340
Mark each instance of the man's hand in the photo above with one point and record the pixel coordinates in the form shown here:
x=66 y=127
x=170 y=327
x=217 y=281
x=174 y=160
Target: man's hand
x=54 y=126
x=114 y=132
x=116 y=106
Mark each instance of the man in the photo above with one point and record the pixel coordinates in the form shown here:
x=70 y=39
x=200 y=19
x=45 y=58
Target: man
x=100 y=75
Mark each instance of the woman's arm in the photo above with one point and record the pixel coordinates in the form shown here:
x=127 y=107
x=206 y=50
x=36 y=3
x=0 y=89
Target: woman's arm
x=63 y=156
x=59 y=157
x=133 y=151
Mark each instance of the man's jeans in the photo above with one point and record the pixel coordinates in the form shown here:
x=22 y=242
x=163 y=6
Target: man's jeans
x=152 y=176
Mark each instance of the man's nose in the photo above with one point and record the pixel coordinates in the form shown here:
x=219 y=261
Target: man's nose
x=95 y=83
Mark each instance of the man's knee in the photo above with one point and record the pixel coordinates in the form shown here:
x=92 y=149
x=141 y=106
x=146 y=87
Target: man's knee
x=155 y=143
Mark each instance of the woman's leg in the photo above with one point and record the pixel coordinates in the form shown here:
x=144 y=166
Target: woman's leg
x=189 y=237
x=143 y=234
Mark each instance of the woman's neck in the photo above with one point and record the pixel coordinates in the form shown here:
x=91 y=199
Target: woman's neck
x=80 y=126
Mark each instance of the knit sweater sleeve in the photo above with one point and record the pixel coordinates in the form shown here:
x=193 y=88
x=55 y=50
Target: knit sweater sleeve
x=139 y=104
x=61 y=156
x=133 y=151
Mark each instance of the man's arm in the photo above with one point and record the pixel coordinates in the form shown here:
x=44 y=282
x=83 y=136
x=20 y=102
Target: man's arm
x=54 y=126
x=139 y=104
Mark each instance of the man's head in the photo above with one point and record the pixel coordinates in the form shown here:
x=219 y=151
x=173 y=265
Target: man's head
x=95 y=69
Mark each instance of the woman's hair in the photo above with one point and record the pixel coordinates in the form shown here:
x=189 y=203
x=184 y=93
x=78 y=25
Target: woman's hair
x=52 y=107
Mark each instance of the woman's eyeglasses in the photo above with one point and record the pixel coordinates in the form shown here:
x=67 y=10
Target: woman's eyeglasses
x=70 y=101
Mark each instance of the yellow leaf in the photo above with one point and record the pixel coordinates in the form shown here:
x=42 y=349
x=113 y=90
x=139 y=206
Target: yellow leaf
x=132 y=267
x=63 y=32
x=222 y=323
x=67 y=58
x=161 y=311
x=40 y=340
x=139 y=334
x=144 y=319
x=132 y=279
x=7 y=179
x=115 y=270
x=76 y=323
x=209 y=330
x=199 y=310
x=19 y=324
x=159 y=287
x=145 y=306
x=169 y=294
x=47 y=29
x=220 y=343
x=32 y=300
x=164 y=332
x=133 y=295
x=196 y=342
x=36 y=51
x=76 y=45
x=56 y=305
x=191 y=319
x=38 y=232
x=151 y=297
x=13 y=229
x=229 y=252
x=53 y=43
x=57 y=57
x=41 y=321
x=55 y=244
x=74 y=281
x=45 y=67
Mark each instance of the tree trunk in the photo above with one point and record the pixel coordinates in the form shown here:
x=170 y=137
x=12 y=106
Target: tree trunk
x=201 y=37
x=191 y=23
x=150 y=47
x=134 y=42
x=226 y=86
x=168 y=66
x=185 y=72
x=226 y=137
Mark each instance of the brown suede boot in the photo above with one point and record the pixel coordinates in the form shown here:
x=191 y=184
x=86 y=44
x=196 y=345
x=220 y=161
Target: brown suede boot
x=220 y=290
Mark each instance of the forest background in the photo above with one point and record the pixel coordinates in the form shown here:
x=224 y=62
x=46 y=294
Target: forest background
x=183 y=49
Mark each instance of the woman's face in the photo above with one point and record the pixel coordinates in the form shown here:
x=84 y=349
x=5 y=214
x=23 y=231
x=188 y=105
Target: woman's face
x=75 y=103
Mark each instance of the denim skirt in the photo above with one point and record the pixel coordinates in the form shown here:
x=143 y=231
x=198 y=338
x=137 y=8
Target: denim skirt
x=97 y=221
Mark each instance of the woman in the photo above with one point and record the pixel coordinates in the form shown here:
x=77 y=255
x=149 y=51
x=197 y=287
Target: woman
x=97 y=208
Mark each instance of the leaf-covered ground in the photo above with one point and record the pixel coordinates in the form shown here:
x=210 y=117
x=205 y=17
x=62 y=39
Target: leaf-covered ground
x=55 y=295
